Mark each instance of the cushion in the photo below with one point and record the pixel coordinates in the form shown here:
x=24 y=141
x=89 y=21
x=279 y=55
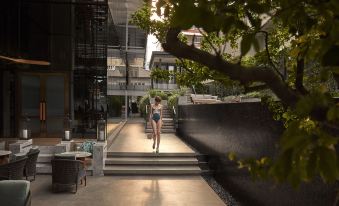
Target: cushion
x=87 y=146
x=14 y=192
x=32 y=150
x=18 y=156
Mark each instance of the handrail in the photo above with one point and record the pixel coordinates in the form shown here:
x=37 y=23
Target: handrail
x=193 y=87
x=146 y=116
x=175 y=118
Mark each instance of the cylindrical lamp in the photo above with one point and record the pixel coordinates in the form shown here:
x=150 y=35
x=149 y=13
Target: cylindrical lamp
x=25 y=131
x=101 y=130
x=67 y=128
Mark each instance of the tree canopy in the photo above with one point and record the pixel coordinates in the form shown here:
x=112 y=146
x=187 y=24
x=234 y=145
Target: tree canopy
x=299 y=63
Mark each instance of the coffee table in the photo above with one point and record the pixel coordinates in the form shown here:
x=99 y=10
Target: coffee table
x=77 y=154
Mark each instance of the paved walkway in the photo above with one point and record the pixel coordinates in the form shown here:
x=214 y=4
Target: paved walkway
x=132 y=138
x=129 y=191
x=133 y=190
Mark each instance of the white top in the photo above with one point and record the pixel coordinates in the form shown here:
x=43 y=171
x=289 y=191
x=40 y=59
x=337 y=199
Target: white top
x=5 y=152
x=156 y=109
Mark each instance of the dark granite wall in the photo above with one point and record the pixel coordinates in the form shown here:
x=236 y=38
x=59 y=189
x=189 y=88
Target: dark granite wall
x=249 y=130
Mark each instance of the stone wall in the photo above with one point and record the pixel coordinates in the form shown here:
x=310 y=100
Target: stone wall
x=249 y=130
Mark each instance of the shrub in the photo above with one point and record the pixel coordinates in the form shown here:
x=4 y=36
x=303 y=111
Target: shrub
x=142 y=104
x=173 y=101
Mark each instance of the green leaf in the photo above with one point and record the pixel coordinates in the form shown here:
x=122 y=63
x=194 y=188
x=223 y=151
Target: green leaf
x=294 y=179
x=327 y=163
x=311 y=166
x=289 y=142
x=232 y=156
x=333 y=113
x=282 y=168
x=330 y=57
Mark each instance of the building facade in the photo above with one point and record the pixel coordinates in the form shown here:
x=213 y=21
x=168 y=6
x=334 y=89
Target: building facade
x=165 y=61
x=71 y=36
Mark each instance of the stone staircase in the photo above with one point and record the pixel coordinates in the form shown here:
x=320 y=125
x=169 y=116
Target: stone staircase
x=43 y=165
x=168 y=122
x=129 y=163
x=188 y=98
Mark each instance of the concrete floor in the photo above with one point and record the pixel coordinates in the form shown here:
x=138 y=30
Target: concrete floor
x=129 y=191
x=132 y=138
x=132 y=190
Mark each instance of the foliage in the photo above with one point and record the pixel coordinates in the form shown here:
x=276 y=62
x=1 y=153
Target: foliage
x=154 y=92
x=161 y=74
x=173 y=101
x=297 y=61
x=171 y=96
x=305 y=149
x=143 y=102
x=115 y=104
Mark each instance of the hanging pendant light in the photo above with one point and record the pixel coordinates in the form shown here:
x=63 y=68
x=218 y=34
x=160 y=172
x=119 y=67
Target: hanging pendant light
x=26 y=61
x=20 y=60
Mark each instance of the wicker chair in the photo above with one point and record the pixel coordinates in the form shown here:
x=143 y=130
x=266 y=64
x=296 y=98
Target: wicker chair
x=30 y=168
x=13 y=170
x=66 y=172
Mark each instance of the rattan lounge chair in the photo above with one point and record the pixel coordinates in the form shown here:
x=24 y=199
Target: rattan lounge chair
x=30 y=168
x=13 y=170
x=67 y=173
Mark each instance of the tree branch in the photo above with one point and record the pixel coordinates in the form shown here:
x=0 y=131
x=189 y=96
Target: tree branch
x=255 y=88
x=210 y=43
x=300 y=76
x=185 y=67
x=269 y=55
x=236 y=72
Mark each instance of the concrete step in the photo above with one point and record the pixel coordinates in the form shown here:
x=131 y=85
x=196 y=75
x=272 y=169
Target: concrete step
x=167 y=119
x=151 y=170
x=163 y=127
x=168 y=123
x=45 y=158
x=171 y=124
x=168 y=130
x=44 y=149
x=151 y=161
x=163 y=130
x=148 y=154
x=167 y=114
x=44 y=168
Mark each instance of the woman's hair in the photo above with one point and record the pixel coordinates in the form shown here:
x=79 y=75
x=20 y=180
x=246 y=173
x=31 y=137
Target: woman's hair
x=157 y=99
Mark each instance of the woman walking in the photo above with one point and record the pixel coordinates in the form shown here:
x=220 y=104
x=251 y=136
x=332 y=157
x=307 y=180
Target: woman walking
x=156 y=119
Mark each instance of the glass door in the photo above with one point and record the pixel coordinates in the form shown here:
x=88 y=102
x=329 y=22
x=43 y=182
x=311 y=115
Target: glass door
x=55 y=104
x=44 y=100
x=30 y=103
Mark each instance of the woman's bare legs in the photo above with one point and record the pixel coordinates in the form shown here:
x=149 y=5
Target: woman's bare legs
x=158 y=130
x=154 y=136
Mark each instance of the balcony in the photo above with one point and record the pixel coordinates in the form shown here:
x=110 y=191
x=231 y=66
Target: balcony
x=165 y=86
x=133 y=90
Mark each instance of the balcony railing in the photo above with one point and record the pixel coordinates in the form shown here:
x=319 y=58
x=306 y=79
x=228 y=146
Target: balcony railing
x=165 y=86
x=130 y=87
